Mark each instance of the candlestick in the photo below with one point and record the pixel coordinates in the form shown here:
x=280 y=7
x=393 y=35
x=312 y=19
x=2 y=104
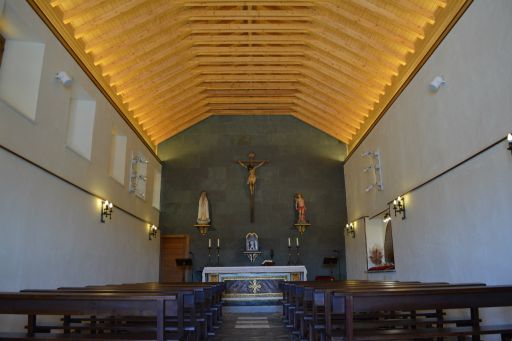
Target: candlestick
x=289 y=242
x=209 y=251
x=289 y=253
x=298 y=261
x=218 y=243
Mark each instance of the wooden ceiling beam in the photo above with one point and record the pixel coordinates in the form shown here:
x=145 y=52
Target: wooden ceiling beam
x=303 y=100
x=192 y=120
x=242 y=17
x=105 y=53
x=170 y=98
x=312 y=96
x=150 y=67
x=119 y=71
x=251 y=92
x=246 y=39
x=307 y=118
x=115 y=11
x=239 y=112
x=362 y=75
x=165 y=119
x=214 y=3
x=337 y=10
x=209 y=14
x=375 y=50
x=333 y=120
x=181 y=101
x=139 y=29
x=252 y=100
x=81 y=8
x=141 y=87
x=250 y=86
x=416 y=9
x=177 y=119
x=226 y=69
x=245 y=27
x=353 y=89
x=351 y=60
x=326 y=120
x=396 y=20
x=319 y=84
x=349 y=56
x=151 y=99
x=271 y=78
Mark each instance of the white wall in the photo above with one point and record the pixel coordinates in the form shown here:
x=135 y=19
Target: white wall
x=458 y=227
x=50 y=234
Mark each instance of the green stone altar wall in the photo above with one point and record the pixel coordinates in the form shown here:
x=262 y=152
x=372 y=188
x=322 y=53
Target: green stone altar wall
x=302 y=159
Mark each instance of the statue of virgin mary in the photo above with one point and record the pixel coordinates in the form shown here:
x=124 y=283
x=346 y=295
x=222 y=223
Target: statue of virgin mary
x=203 y=214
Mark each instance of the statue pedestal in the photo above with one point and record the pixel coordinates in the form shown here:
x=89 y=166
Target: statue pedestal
x=252 y=255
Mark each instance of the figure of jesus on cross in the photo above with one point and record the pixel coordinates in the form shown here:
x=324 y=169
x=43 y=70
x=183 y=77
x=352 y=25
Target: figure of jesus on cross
x=251 y=165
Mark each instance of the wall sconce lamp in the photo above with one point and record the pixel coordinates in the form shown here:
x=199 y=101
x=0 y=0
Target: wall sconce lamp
x=106 y=210
x=387 y=218
x=153 y=230
x=64 y=78
x=509 y=139
x=399 y=206
x=350 y=230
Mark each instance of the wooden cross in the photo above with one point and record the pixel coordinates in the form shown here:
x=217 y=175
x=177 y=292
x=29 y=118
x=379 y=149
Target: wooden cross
x=251 y=165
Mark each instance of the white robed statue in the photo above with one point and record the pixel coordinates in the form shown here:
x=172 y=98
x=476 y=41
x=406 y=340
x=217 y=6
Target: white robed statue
x=203 y=213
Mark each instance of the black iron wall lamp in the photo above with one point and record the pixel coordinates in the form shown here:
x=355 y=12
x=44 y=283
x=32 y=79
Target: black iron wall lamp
x=153 y=230
x=106 y=210
x=399 y=206
x=350 y=230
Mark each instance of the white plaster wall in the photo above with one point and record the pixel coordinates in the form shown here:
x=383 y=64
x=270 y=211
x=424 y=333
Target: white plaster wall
x=51 y=233
x=459 y=227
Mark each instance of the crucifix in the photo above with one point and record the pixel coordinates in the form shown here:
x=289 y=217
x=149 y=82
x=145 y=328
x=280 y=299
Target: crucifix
x=251 y=165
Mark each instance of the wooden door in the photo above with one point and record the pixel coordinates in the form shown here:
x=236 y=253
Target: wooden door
x=172 y=247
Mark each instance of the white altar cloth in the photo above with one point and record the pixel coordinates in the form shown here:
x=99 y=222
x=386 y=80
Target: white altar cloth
x=297 y=272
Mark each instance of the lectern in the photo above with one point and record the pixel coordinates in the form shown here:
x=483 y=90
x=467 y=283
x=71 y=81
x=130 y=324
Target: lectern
x=331 y=263
x=184 y=264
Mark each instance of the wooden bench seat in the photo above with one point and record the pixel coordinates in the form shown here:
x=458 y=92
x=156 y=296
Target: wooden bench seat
x=78 y=337
x=504 y=330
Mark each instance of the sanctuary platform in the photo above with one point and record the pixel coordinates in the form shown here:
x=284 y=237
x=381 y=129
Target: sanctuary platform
x=253 y=285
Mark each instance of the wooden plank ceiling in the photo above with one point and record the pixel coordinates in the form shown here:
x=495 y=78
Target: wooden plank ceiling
x=169 y=64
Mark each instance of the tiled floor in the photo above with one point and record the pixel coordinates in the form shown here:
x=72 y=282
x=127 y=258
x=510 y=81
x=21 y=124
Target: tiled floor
x=252 y=327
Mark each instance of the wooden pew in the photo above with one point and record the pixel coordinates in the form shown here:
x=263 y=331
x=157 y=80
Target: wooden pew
x=63 y=303
x=199 y=304
x=309 y=316
x=352 y=301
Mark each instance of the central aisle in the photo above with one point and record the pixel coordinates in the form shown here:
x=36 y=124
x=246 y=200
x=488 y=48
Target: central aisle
x=252 y=327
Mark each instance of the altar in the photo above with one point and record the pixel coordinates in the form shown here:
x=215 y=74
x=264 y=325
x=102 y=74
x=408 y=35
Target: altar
x=245 y=284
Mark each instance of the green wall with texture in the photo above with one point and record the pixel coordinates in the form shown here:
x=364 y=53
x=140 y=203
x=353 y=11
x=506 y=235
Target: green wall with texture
x=302 y=159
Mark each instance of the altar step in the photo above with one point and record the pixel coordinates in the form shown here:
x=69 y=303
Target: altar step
x=237 y=309
x=252 y=327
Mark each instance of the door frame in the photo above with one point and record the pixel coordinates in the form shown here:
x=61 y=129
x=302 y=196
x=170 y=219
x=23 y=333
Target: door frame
x=187 y=250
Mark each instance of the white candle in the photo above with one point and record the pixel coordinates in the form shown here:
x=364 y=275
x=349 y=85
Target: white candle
x=289 y=242
x=209 y=242
x=218 y=242
x=297 y=240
